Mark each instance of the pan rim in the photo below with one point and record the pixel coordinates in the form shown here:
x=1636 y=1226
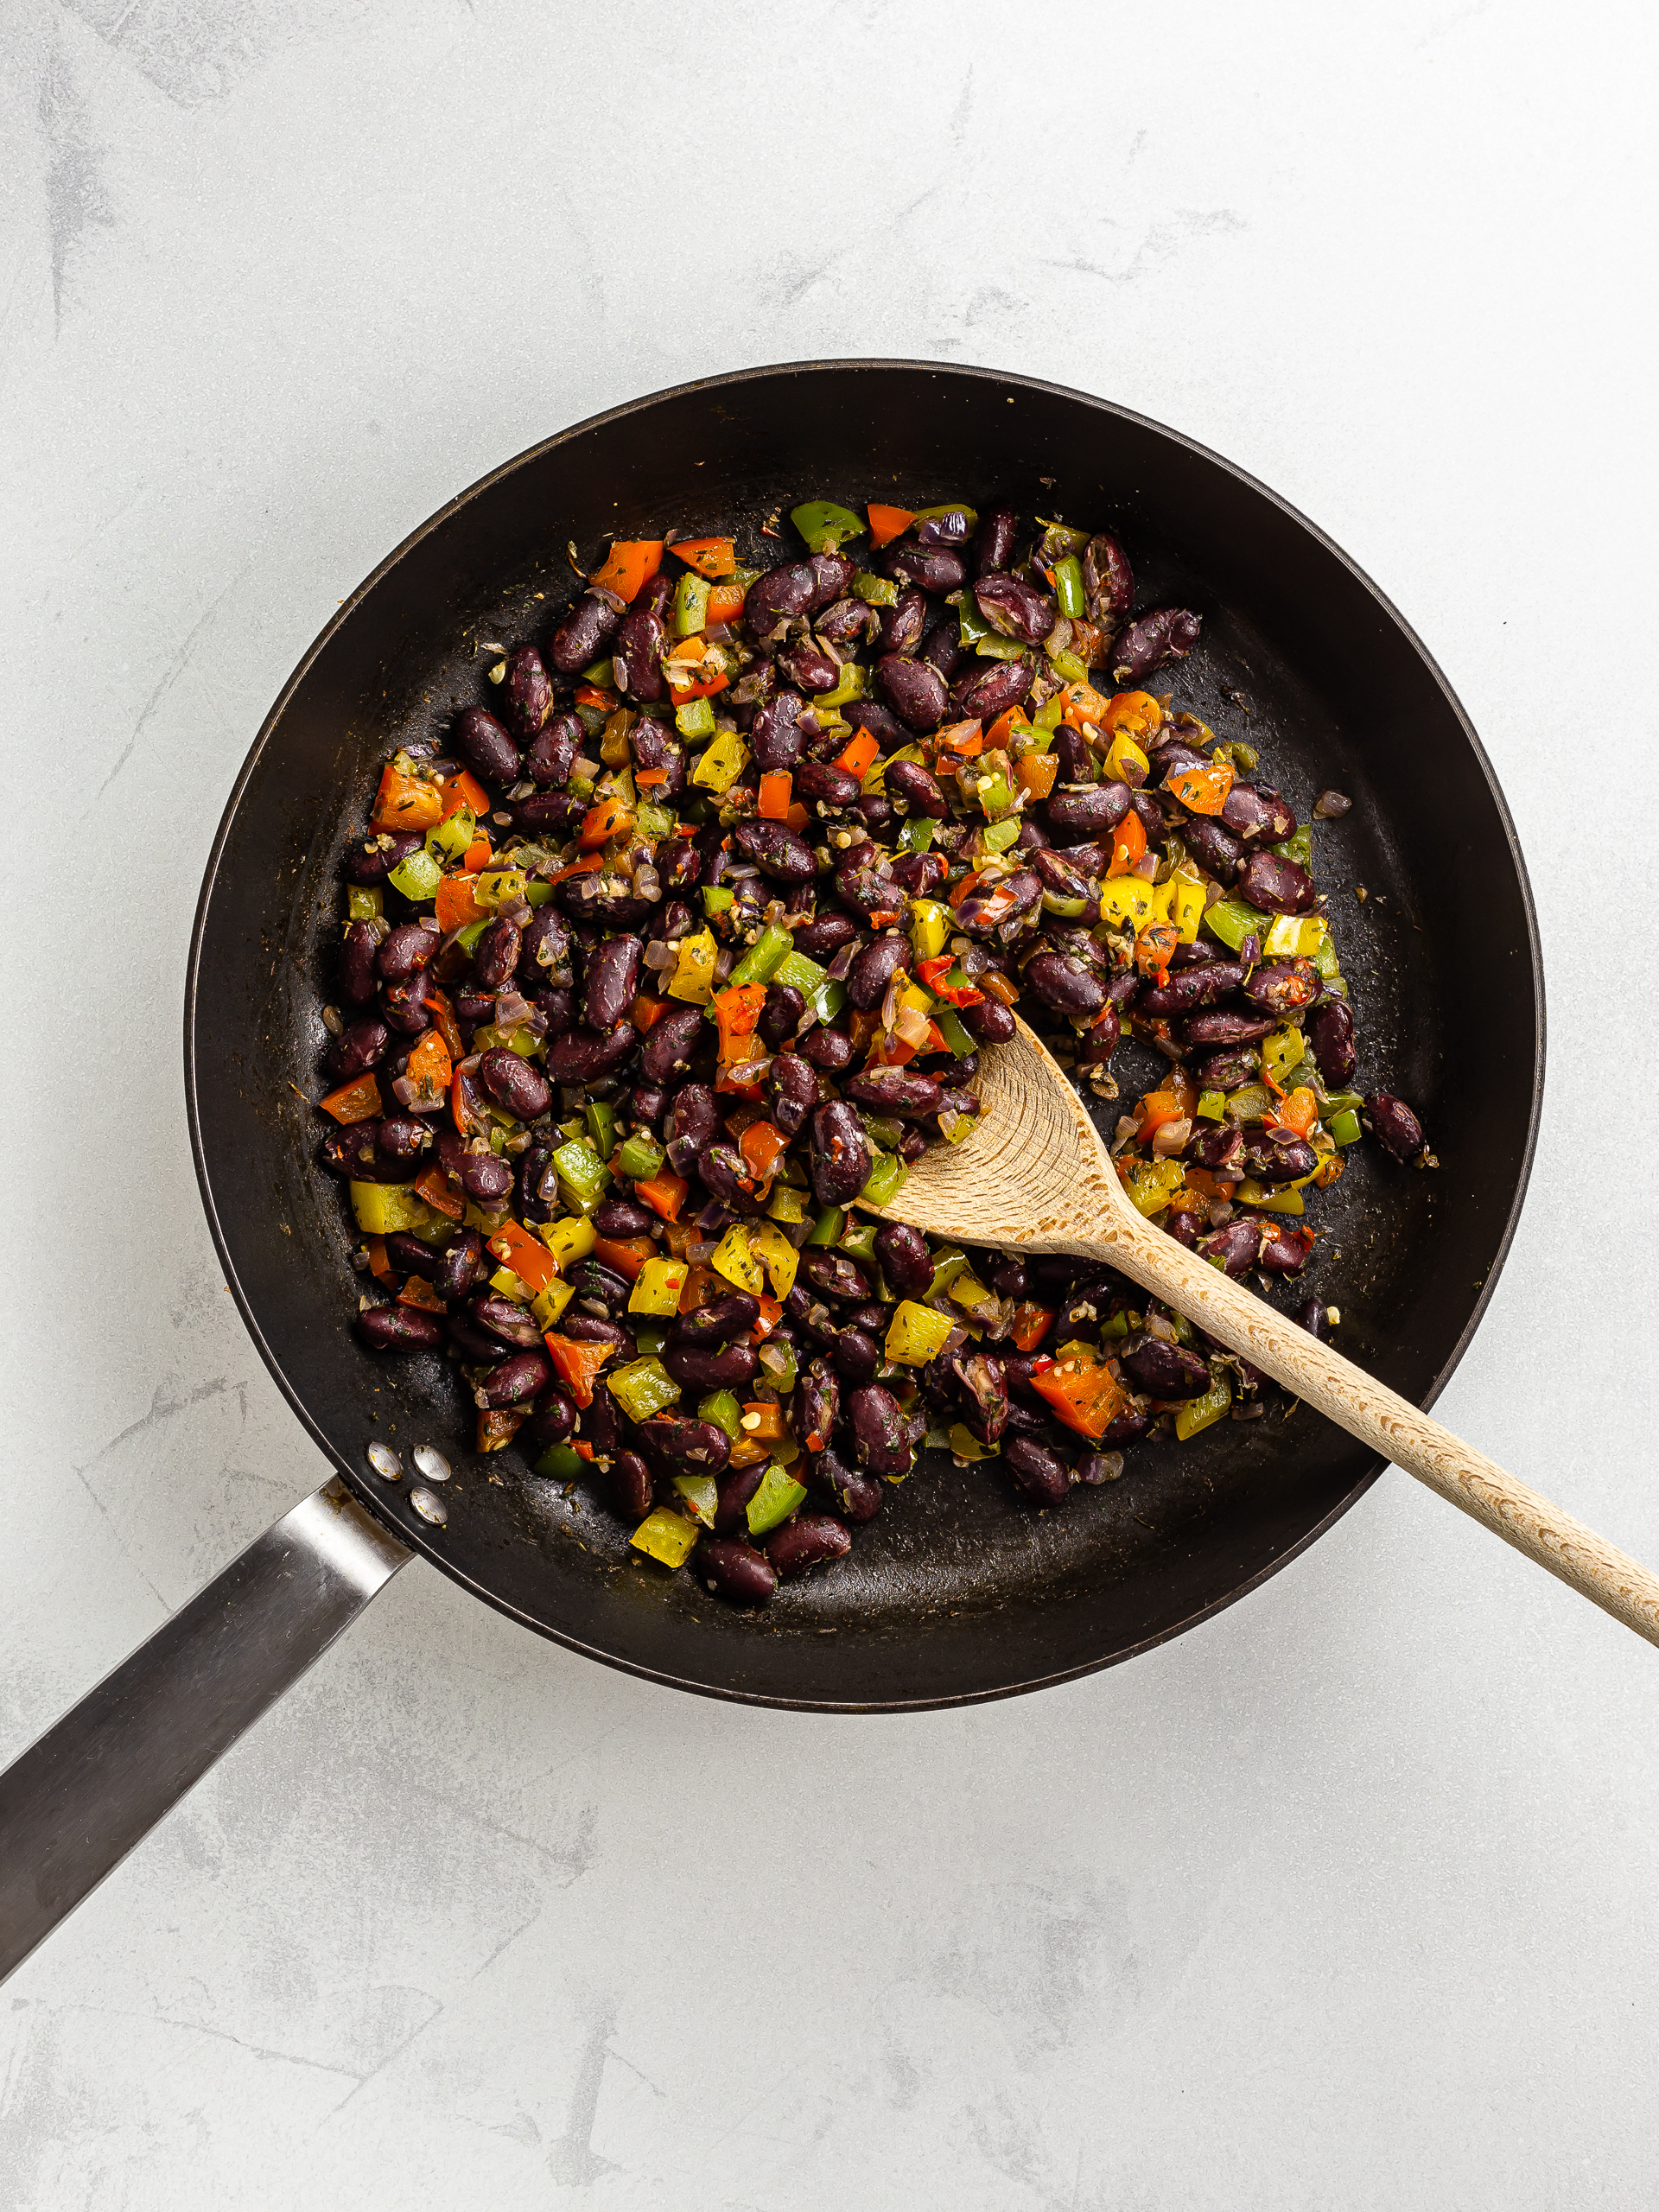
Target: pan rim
x=428 y=1544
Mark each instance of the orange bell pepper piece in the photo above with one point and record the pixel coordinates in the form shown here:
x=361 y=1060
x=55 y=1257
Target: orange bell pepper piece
x=1202 y=790
x=405 y=803
x=456 y=905
x=965 y=740
x=624 y=1255
x=576 y=1365
x=357 y=1101
x=527 y=1255
x=1129 y=844
x=584 y=866
x=776 y=792
x=463 y=789
x=429 y=1071
x=888 y=523
x=380 y=1265
x=797 y=817
x=1137 y=712
x=960 y=889
x=443 y=1014
x=664 y=1194
x=856 y=756
x=709 y=556
x=415 y=1292
x=1031 y=1323
x=682 y=694
x=434 y=1186
x=589 y=695
x=764 y=1422
x=762 y=1146
x=1082 y=703
x=1087 y=1398
x=737 y=1011
x=726 y=604
x=770 y=1314
x=1158 y=1107
x=702 y=1284
x=612 y=817
x=1298 y=1111
x=629 y=566
x=477 y=856
x=645 y=1013
x=1035 y=773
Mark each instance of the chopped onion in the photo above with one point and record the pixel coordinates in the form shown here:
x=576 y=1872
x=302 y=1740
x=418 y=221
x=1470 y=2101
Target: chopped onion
x=890 y=1003
x=659 y=955
x=912 y=1024
x=1145 y=868
x=1169 y=1138
x=700 y=1251
x=751 y=1070
x=740 y=871
x=724 y=963
x=647 y=883
x=511 y=1008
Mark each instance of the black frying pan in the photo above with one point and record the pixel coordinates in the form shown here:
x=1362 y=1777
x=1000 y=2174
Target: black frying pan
x=956 y=1593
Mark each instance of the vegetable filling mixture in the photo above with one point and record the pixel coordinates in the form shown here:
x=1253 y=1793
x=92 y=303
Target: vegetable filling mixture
x=692 y=945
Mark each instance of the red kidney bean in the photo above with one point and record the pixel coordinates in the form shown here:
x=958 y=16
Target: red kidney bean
x=1396 y=1128
x=845 y=623
x=869 y=715
x=1076 y=758
x=1045 y=1479
x=951 y=528
x=596 y=1285
x=792 y=1088
x=1172 y=757
x=833 y=1276
x=1219 y=1026
x=513 y=1380
x=490 y=752
x=984 y=916
x=587 y=1055
x=611 y=982
x=1214 y=848
x=403 y=1005
x=903 y=1091
x=774 y=847
x=711 y=1370
x=1065 y=984
x=1189 y=988
x=357 y=971
x=780 y=1017
x=558 y=1006
x=659 y=753
x=811 y=1540
x=942 y=649
x=832 y=574
x=868 y=891
x=622 y=1217
x=929 y=567
x=1215 y=1144
x=822 y=938
x=553 y=1420
x=1258 y=814
x=1283 y=986
x=693 y=1447
x=1101 y=1039
x=732 y=1569
x=475 y=1345
x=547 y=814
x=777 y=597
x=986 y=691
x=1014 y=608
x=582 y=635
x=515 y=1083
x=919 y=874
x=724 y=1320
x=647 y=1103
x=1151 y=814
x=485 y=1179
x=725 y=1172
x=413 y=1257
x=827 y=1048
x=399 y=1328
x=902 y=624
x=1276 y=886
x=1226 y=1070
x=1234 y=1245
x=400 y=1139
x=359 y=1046
x=637 y=655
x=909 y=781
x=989 y=1021
x=585 y=1328
x=857 y=1356
x=818 y=779
x=1162 y=1369
x=1109 y=580
x=528 y=693
x=854 y=1495
x=1283 y=1161
x=405 y=951
x=875 y=967
x=1330 y=1041
x=590 y=900
x=670 y=1044
x=553 y=749
x=806 y=665
x=502 y=1317
x=692 y=1120
x=373 y=860
x=1311 y=1315
x=881 y=1433
x=496 y=956
x=1165 y=634
x=460 y=1265
x=994 y=540
x=1285 y=1251
x=840 y=1152
x=601 y=1425
x=730 y=1502
x=1072 y=817
x=531 y=1176
x=916 y=692
x=543 y=948
x=630 y=1485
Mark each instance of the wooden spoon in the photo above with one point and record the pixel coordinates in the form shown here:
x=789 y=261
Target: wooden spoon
x=1034 y=1177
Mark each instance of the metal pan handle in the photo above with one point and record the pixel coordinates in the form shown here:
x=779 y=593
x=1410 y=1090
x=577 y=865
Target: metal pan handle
x=76 y=1801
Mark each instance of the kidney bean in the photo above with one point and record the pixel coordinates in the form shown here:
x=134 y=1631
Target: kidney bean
x=475 y=1345
x=844 y=623
x=1284 y=1161
x=1014 y=608
x=902 y=625
x=1215 y=1144
x=617 y=1217
x=543 y=948
x=357 y=968
x=413 y=1257
x=1165 y=634
x=489 y=751
x=840 y=1152
x=1234 y=1245
x=929 y=567
x=1396 y=1128
x=776 y=597
x=403 y=1005
x=735 y=1570
x=1330 y=1041
x=832 y=574
x=485 y=1179
x=1043 y=1477
x=1189 y=988
x=854 y=1495
x=1151 y=814
x=670 y=1044
x=724 y=1320
x=1257 y=814
x=989 y=1021
x=588 y=898
x=833 y=1276
x=811 y=1540
x=460 y=1265
x=857 y=1356
x=692 y=1447
x=806 y=665
x=656 y=750
x=692 y=1120
x=791 y=1089
x=982 y=916
x=612 y=982
x=1072 y=817
x=1067 y=984
x=780 y=1017
x=553 y=1420
x=547 y=814
x=916 y=692
x=1219 y=1026
x=1102 y=1039
x=405 y=951
x=920 y=874
x=599 y=1284
x=1109 y=580
x=514 y=1380
x=827 y=1048
x=647 y=1103
x=601 y=1425
x=527 y=692
x=869 y=715
x=637 y=655
x=1076 y=760
x=1226 y=1070
x=1283 y=986
x=359 y=1046
x=1172 y=757
x=942 y=649
x=904 y=1091
x=1285 y=1251
x=822 y=938
x=983 y=1390
x=711 y=1370
x=1162 y=1369
x=814 y=1407
x=585 y=1328
x=1214 y=848
x=515 y=1083
x=909 y=781
x=730 y=1502
x=774 y=847
x=1278 y=886
x=818 y=779
x=400 y=1139
x=1312 y=1315
x=588 y=1055
x=724 y=1173
x=531 y=1174
x=399 y=1328
x=587 y=628
x=988 y=689
x=371 y=860
x=502 y=1317
x=881 y=1433
x=630 y=1485
x=994 y=540
x=497 y=956
x=552 y=750
x=868 y=889
x=883 y=958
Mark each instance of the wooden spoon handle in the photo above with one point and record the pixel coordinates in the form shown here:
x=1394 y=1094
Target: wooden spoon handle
x=1388 y=1423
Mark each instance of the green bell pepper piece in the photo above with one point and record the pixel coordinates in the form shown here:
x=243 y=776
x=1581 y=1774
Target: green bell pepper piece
x=1120 y=1324
x=1213 y=1104
x=777 y=1367
x=876 y=591
x=469 y=937
x=858 y=1240
x=887 y=1174
x=582 y=1175
x=1344 y=1127
x=1071 y=666
x=1325 y=961
x=723 y=1407
x=538 y=894
x=602 y=674
x=650 y=1336
x=364 y=903
x=1050 y=715
x=1298 y=847
x=916 y=836
x=828 y=1226
x=796 y=973
x=950 y=1025
x=640 y=1158
x=561 y=1464
x=643 y=1387
x=824 y=525
x=1203 y=1413
x=1232 y=921
x=689 y=617
x=419 y=876
x=971 y=623
x=849 y=686
x=778 y=1496
x=948 y=1264
x=1068 y=585
x=997 y=836
x=715 y=899
x=701 y=1495
x=451 y=838
x=601 y=1122
x=762 y=958
x=696 y=718
x=995 y=648
x=652 y=822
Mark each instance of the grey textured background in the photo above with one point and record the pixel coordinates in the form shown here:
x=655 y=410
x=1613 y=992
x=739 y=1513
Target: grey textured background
x=1347 y=1900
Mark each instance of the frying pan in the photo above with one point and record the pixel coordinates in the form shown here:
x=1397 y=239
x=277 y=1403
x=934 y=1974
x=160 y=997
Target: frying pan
x=956 y=1593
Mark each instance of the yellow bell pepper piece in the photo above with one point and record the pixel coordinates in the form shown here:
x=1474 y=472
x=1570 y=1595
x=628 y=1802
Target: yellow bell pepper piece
x=1126 y=901
x=930 y=925
x=511 y=1286
x=787 y=1205
x=1186 y=907
x=777 y=1255
x=1203 y=1413
x=666 y=1537
x=968 y=1291
x=917 y=1334
x=658 y=1286
x=499 y=886
x=383 y=1208
x=1282 y=1051
x=546 y=1305
x=736 y=1262
x=694 y=974
x=569 y=1240
x=1295 y=937
x=1126 y=754
x=1152 y=1183
x=966 y=1446
x=721 y=763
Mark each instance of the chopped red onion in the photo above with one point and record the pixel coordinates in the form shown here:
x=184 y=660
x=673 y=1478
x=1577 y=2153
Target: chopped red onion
x=659 y=955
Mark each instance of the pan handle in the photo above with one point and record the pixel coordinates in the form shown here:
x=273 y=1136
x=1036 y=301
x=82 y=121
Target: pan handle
x=76 y=1801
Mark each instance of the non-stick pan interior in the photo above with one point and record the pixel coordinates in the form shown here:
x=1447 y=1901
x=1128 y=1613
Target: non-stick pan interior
x=956 y=1591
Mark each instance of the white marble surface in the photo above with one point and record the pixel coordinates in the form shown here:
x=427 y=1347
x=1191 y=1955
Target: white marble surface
x=1348 y=1899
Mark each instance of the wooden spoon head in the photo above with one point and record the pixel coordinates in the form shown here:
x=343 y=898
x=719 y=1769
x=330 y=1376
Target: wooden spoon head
x=1033 y=1176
